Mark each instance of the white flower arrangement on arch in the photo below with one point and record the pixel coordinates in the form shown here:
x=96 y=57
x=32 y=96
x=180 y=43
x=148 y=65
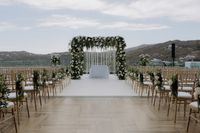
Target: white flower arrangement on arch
x=78 y=43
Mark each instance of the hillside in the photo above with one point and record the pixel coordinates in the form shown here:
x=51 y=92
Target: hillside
x=163 y=50
x=160 y=51
x=23 y=58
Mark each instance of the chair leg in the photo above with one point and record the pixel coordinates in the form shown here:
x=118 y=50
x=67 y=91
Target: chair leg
x=31 y=97
x=44 y=94
x=40 y=98
x=175 y=114
x=34 y=98
x=142 y=87
x=17 y=109
x=188 y=124
x=148 y=92
x=168 y=106
x=27 y=108
x=166 y=98
x=179 y=106
x=185 y=105
x=159 y=101
x=56 y=90
x=152 y=95
x=14 y=120
x=48 y=89
x=154 y=102
x=53 y=89
x=195 y=115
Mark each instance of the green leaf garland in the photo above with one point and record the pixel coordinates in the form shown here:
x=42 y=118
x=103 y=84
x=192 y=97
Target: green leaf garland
x=77 y=54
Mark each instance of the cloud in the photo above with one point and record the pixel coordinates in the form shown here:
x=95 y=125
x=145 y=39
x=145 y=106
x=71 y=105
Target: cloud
x=65 y=4
x=5 y=26
x=5 y=2
x=181 y=10
x=65 y=21
x=133 y=26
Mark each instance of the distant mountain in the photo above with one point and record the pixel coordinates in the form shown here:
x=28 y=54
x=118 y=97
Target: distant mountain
x=163 y=50
x=23 y=58
x=159 y=51
x=135 y=48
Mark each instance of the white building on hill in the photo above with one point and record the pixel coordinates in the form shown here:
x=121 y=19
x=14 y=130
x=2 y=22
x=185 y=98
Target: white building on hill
x=192 y=64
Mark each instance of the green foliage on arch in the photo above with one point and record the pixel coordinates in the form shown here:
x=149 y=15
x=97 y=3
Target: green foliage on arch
x=77 y=54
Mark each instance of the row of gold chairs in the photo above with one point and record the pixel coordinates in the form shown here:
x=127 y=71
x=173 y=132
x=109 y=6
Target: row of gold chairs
x=28 y=85
x=141 y=79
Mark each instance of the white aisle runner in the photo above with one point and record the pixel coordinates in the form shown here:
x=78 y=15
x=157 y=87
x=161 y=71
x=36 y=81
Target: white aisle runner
x=98 y=87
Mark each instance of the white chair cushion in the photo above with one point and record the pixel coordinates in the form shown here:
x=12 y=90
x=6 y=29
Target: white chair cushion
x=29 y=83
x=49 y=82
x=148 y=83
x=188 y=83
x=167 y=87
x=28 y=88
x=12 y=95
x=187 y=88
x=184 y=95
x=9 y=105
x=194 y=105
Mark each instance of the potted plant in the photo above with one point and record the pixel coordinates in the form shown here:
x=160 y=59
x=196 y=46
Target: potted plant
x=3 y=91
x=152 y=77
x=19 y=85
x=174 y=85
x=158 y=81
x=141 y=78
x=36 y=79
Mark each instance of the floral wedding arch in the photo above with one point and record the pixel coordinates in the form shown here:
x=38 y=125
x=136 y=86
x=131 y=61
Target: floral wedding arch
x=78 y=44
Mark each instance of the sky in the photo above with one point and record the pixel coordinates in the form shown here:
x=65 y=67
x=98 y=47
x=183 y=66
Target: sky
x=46 y=26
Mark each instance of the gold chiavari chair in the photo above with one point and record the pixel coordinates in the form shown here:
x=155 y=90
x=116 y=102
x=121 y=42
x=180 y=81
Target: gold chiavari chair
x=178 y=97
x=18 y=97
x=161 y=91
x=6 y=107
x=194 y=112
x=33 y=87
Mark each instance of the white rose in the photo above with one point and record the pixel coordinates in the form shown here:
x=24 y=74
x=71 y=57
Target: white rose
x=170 y=82
x=157 y=82
x=197 y=89
x=23 y=84
x=156 y=88
x=156 y=77
x=195 y=95
x=197 y=92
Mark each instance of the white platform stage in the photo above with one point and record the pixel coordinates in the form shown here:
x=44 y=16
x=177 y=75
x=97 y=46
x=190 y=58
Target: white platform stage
x=98 y=87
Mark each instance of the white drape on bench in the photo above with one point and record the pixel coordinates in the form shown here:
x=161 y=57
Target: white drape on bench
x=99 y=71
